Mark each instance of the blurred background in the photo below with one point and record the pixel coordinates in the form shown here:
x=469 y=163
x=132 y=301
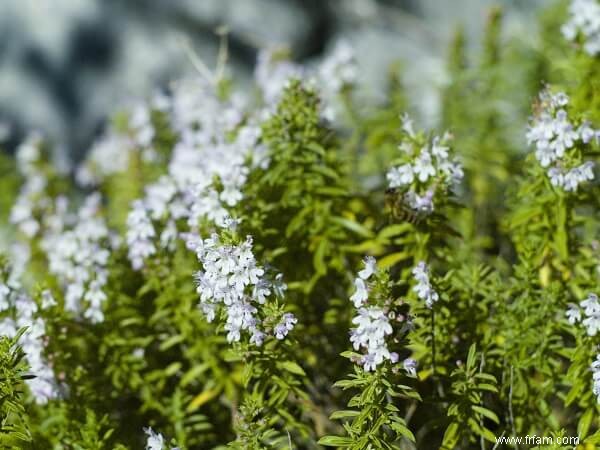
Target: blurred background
x=67 y=64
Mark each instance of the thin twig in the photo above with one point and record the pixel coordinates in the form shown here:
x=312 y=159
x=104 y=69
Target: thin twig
x=223 y=54
x=195 y=60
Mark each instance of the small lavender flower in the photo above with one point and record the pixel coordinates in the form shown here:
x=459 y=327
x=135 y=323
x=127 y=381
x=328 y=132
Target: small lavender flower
x=410 y=366
x=573 y=314
x=361 y=294
x=402 y=175
x=48 y=300
x=287 y=323
x=423 y=288
x=423 y=166
x=370 y=268
x=407 y=125
x=337 y=71
x=140 y=234
x=591 y=311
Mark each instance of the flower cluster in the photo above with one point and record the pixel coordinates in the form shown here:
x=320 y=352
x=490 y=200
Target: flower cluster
x=423 y=288
x=231 y=278
x=140 y=234
x=372 y=327
x=32 y=195
x=140 y=123
x=591 y=311
x=272 y=72
x=426 y=171
x=287 y=323
x=110 y=154
x=584 y=21
x=19 y=311
x=78 y=249
x=218 y=143
x=373 y=322
x=558 y=142
x=337 y=71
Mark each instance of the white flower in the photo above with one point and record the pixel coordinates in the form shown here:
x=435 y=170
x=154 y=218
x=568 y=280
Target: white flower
x=370 y=268
x=361 y=294
x=545 y=154
x=420 y=203
x=423 y=166
x=573 y=314
x=586 y=132
x=438 y=150
x=557 y=177
x=141 y=124
x=158 y=197
x=48 y=299
x=407 y=125
x=287 y=323
x=336 y=71
x=4 y=292
x=372 y=327
x=155 y=441
x=8 y=327
x=272 y=73
x=591 y=310
x=400 y=176
x=565 y=135
x=109 y=155
x=423 y=288
x=338 y=68
x=140 y=233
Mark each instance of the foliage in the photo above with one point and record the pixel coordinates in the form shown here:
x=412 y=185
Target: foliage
x=197 y=281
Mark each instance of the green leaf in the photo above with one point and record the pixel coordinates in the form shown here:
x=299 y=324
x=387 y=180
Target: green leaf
x=173 y=340
x=353 y=226
x=292 y=367
x=486 y=413
x=344 y=414
x=335 y=441
x=451 y=437
x=392 y=259
x=583 y=427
